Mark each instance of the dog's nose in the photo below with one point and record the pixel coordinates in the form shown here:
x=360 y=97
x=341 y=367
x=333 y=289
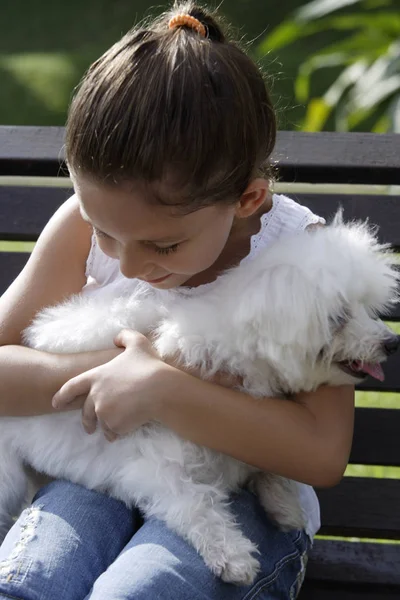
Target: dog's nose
x=392 y=344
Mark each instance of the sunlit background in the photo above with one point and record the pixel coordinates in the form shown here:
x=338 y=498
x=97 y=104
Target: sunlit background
x=333 y=64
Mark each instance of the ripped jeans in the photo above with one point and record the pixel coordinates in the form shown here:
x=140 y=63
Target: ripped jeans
x=77 y=544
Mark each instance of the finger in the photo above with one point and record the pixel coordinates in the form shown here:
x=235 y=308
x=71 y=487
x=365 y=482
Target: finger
x=126 y=337
x=77 y=386
x=110 y=435
x=76 y=404
x=89 y=417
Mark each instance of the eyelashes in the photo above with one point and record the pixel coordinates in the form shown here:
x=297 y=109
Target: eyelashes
x=100 y=234
x=157 y=249
x=167 y=250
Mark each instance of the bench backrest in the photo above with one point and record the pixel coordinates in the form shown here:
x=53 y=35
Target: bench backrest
x=361 y=507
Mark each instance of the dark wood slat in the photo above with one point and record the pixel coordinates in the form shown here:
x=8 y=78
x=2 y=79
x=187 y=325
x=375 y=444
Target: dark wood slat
x=383 y=211
x=24 y=211
x=11 y=263
x=376 y=437
x=338 y=157
x=362 y=507
x=355 y=563
x=320 y=591
x=392 y=379
x=32 y=151
x=315 y=157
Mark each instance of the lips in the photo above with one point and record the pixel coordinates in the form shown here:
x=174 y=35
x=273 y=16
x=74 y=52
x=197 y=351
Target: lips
x=159 y=280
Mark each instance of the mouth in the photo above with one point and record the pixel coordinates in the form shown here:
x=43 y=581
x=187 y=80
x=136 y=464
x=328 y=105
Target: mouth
x=361 y=369
x=158 y=280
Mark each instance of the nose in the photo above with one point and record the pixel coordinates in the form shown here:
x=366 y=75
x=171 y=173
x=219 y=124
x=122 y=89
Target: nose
x=134 y=263
x=392 y=344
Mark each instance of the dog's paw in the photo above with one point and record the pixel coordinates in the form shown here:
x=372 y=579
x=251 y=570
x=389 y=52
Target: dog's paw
x=241 y=570
x=235 y=564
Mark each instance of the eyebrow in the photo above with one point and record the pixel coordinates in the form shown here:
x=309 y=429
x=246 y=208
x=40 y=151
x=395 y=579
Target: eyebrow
x=162 y=240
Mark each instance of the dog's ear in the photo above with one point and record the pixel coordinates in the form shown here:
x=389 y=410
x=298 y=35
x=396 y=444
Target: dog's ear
x=286 y=308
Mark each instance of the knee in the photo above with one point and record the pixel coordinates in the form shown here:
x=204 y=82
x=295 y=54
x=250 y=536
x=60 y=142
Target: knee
x=77 y=504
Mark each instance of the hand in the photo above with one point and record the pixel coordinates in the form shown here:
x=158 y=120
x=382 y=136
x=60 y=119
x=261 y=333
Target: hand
x=121 y=394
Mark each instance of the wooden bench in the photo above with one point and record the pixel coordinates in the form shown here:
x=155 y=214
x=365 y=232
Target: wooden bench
x=360 y=507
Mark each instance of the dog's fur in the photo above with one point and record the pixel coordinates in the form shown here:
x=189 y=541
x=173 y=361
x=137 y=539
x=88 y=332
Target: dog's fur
x=283 y=322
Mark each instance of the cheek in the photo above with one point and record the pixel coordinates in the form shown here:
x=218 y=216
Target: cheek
x=107 y=246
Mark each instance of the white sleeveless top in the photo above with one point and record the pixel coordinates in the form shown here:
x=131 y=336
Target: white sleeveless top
x=284 y=218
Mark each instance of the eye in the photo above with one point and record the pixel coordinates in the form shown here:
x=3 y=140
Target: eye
x=167 y=250
x=338 y=321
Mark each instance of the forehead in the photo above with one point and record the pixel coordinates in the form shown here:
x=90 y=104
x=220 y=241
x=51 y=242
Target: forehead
x=133 y=211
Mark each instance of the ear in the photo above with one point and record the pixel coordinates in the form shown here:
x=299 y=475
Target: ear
x=252 y=198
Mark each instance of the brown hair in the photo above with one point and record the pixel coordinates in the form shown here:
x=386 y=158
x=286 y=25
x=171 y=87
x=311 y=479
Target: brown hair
x=169 y=103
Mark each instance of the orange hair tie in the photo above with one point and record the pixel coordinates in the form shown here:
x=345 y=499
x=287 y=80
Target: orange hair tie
x=188 y=21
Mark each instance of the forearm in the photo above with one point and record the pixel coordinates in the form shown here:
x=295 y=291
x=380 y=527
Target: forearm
x=279 y=436
x=29 y=378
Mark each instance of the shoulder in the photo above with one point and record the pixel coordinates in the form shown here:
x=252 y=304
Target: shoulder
x=314 y=226
x=292 y=215
x=54 y=271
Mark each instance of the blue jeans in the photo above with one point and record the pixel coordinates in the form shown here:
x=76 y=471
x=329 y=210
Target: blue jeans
x=76 y=544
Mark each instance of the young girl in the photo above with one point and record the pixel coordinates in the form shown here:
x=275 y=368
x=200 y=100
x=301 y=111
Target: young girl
x=167 y=143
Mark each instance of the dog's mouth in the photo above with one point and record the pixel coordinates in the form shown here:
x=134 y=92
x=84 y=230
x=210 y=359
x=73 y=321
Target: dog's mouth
x=361 y=369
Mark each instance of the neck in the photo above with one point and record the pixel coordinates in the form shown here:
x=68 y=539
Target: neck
x=236 y=248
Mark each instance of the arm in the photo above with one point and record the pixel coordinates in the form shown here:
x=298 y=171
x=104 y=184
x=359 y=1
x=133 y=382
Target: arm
x=29 y=378
x=55 y=270
x=307 y=439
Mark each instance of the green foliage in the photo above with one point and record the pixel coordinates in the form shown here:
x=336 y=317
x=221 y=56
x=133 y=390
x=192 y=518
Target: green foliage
x=364 y=91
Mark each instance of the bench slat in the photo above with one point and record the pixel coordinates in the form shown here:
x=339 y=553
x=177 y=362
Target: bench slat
x=24 y=211
x=355 y=562
x=355 y=508
x=321 y=591
x=313 y=157
x=380 y=210
x=327 y=157
x=11 y=263
x=391 y=382
x=376 y=434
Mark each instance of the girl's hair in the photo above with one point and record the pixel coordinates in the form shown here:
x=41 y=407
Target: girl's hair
x=169 y=105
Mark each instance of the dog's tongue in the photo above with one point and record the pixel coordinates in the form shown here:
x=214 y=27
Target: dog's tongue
x=373 y=369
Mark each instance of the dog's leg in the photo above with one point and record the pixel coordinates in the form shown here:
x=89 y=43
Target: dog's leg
x=280 y=499
x=206 y=522
x=13 y=488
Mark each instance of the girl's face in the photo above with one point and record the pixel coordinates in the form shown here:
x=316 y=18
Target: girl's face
x=149 y=241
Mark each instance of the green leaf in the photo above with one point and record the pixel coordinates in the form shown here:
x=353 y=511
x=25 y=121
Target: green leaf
x=382 y=125
x=380 y=28
x=348 y=77
x=318 y=112
x=368 y=4
x=394 y=114
x=318 y=61
x=285 y=34
x=319 y=8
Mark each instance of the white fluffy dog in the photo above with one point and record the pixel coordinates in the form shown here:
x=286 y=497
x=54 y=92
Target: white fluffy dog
x=300 y=314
